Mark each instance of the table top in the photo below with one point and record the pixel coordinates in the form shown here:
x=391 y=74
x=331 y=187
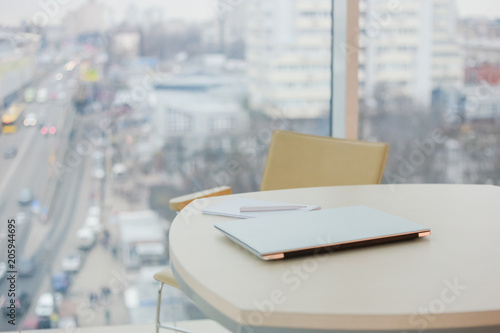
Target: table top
x=447 y=280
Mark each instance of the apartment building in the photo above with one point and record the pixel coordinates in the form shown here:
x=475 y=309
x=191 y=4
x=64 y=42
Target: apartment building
x=288 y=55
x=447 y=55
x=18 y=63
x=408 y=47
x=480 y=40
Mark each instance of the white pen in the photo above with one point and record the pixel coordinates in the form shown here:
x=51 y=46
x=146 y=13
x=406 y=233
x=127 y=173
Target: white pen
x=269 y=208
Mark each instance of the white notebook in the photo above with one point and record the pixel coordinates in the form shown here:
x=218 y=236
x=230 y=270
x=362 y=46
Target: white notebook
x=232 y=207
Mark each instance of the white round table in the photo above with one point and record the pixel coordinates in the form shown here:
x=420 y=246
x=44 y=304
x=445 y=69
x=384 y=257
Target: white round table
x=448 y=281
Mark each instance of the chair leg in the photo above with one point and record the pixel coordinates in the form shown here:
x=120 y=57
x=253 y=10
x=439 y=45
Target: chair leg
x=158 y=323
x=158 y=304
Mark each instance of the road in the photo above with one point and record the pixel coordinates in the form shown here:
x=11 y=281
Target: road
x=68 y=196
x=31 y=168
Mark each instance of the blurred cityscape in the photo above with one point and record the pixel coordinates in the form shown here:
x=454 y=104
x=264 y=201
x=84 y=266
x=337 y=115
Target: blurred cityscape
x=104 y=121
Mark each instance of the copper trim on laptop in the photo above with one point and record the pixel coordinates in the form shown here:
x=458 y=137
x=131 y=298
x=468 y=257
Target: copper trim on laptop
x=354 y=243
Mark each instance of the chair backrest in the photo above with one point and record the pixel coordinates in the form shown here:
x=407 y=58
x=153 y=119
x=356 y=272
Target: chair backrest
x=299 y=160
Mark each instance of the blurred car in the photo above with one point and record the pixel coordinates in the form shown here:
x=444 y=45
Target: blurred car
x=60 y=282
x=119 y=171
x=30 y=120
x=3 y=304
x=30 y=323
x=25 y=196
x=98 y=173
x=10 y=152
x=48 y=130
x=21 y=303
x=86 y=238
x=94 y=224
x=21 y=217
x=3 y=270
x=42 y=95
x=94 y=211
x=45 y=305
x=72 y=262
x=43 y=323
x=36 y=323
x=26 y=267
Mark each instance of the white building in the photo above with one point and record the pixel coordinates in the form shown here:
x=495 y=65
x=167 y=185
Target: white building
x=482 y=102
x=198 y=116
x=199 y=106
x=288 y=55
x=447 y=54
x=408 y=48
x=480 y=40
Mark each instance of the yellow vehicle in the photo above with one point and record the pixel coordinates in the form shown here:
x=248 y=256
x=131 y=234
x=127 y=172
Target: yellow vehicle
x=11 y=116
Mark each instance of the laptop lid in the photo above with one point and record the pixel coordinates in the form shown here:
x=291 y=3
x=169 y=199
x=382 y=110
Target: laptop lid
x=277 y=237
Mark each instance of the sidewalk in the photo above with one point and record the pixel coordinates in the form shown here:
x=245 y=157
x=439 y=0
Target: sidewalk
x=100 y=270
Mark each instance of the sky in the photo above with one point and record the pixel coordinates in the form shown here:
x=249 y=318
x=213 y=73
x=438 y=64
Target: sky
x=12 y=11
x=488 y=8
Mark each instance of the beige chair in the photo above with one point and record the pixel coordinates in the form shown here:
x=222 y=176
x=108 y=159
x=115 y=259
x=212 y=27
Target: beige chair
x=299 y=160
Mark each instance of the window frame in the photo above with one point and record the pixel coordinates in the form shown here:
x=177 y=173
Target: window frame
x=344 y=105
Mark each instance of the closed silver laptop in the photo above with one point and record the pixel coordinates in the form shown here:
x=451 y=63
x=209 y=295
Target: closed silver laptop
x=287 y=235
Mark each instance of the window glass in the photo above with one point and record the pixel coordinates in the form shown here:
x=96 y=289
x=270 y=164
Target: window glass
x=429 y=75
x=112 y=108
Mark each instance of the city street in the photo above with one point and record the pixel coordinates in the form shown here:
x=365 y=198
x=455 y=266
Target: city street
x=31 y=168
x=63 y=183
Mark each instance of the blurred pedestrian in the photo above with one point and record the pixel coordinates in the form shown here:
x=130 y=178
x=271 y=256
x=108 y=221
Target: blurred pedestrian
x=105 y=292
x=105 y=238
x=108 y=317
x=114 y=251
x=93 y=298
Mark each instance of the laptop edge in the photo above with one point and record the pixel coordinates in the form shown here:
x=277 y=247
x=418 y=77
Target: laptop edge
x=330 y=247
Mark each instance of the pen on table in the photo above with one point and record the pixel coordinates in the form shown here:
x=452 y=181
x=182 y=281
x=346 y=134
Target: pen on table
x=269 y=208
